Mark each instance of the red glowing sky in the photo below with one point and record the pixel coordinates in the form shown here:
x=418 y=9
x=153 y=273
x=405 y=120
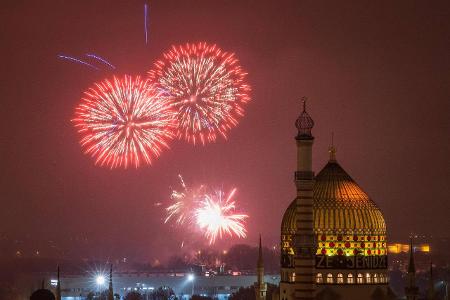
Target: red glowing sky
x=376 y=74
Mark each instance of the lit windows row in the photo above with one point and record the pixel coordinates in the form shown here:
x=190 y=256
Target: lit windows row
x=354 y=238
x=360 y=278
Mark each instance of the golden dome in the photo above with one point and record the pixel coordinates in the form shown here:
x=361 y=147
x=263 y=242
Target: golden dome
x=340 y=206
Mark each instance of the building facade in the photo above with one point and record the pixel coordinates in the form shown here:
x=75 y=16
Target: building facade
x=333 y=236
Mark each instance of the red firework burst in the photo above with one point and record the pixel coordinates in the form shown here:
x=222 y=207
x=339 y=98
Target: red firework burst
x=207 y=86
x=124 y=122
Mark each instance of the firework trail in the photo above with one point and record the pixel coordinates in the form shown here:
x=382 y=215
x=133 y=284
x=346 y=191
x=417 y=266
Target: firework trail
x=124 y=122
x=145 y=22
x=211 y=213
x=208 y=88
x=101 y=60
x=76 y=60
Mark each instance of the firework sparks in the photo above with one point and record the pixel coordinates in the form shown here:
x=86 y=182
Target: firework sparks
x=101 y=59
x=217 y=217
x=184 y=202
x=208 y=89
x=124 y=122
x=78 y=61
x=213 y=214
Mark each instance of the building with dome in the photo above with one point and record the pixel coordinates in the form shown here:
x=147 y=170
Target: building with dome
x=333 y=236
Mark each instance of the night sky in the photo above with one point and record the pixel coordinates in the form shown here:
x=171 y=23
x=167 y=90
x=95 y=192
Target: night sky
x=376 y=74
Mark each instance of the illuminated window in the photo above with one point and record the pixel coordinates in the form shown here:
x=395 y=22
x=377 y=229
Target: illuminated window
x=319 y=278
x=330 y=278
x=382 y=278
x=360 y=278
x=368 y=278
x=350 y=278
x=340 y=278
x=293 y=277
x=375 y=278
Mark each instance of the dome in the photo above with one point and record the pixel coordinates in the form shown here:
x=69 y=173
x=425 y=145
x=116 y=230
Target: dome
x=340 y=206
x=346 y=220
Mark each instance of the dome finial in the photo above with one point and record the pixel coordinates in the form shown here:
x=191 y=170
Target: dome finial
x=332 y=149
x=304 y=123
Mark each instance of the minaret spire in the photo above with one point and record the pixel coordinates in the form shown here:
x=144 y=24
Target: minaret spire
x=332 y=149
x=110 y=290
x=411 y=290
x=431 y=293
x=260 y=256
x=299 y=283
x=58 y=286
x=260 y=285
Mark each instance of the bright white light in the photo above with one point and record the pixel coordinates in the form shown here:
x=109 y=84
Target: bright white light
x=100 y=280
x=53 y=282
x=191 y=277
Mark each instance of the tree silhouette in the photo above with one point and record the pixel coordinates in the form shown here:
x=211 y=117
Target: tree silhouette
x=133 y=296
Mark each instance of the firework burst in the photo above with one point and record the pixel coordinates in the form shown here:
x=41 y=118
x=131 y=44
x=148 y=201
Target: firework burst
x=217 y=217
x=210 y=213
x=208 y=88
x=124 y=122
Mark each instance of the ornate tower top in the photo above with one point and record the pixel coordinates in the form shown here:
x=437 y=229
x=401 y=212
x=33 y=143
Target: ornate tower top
x=304 y=124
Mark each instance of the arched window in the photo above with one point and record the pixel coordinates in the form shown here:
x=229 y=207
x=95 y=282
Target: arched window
x=319 y=278
x=368 y=278
x=340 y=278
x=360 y=278
x=293 y=277
x=330 y=278
x=382 y=278
x=350 y=278
x=375 y=278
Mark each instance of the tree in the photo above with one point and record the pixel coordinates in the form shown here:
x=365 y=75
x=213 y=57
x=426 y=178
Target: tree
x=197 y=297
x=248 y=293
x=133 y=296
x=162 y=293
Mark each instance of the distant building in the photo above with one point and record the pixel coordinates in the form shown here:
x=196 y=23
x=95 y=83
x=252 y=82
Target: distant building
x=333 y=236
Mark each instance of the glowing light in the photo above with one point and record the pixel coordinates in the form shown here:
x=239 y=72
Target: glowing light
x=191 y=277
x=124 y=122
x=208 y=88
x=100 y=280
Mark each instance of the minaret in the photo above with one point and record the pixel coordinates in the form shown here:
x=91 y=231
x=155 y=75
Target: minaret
x=431 y=293
x=411 y=290
x=304 y=238
x=260 y=285
x=110 y=290
x=58 y=286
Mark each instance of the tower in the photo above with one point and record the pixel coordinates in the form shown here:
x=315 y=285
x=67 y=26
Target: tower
x=58 y=286
x=304 y=260
x=431 y=293
x=110 y=290
x=333 y=235
x=411 y=290
x=260 y=285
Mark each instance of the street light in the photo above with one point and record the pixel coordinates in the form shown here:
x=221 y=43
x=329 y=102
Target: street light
x=191 y=278
x=100 y=280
